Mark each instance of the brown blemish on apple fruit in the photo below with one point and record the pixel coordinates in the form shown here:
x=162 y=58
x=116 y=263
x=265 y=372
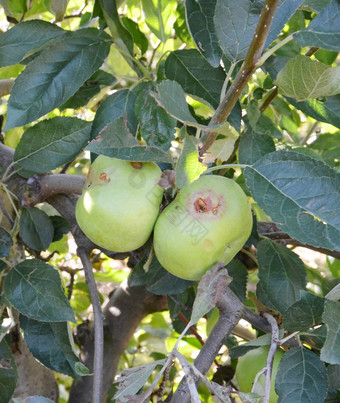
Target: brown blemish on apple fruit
x=208 y=245
x=206 y=205
x=200 y=205
x=103 y=177
x=136 y=164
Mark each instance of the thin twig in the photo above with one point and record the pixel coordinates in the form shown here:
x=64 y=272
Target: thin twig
x=98 y=327
x=226 y=81
x=275 y=341
x=187 y=368
x=310 y=133
x=184 y=363
x=154 y=53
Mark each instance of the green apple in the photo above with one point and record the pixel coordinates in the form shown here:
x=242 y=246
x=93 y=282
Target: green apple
x=208 y=222
x=250 y=364
x=120 y=203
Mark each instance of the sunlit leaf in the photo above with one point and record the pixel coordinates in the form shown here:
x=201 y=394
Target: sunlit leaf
x=303 y=78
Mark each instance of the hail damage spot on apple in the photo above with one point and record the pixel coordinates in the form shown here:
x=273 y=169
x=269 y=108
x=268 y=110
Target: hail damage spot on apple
x=136 y=164
x=208 y=244
x=208 y=222
x=209 y=204
x=103 y=177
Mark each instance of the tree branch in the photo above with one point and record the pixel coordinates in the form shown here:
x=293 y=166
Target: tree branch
x=41 y=187
x=231 y=309
x=245 y=72
x=269 y=230
x=5 y=86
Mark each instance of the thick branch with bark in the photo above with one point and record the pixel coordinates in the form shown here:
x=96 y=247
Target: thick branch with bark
x=231 y=309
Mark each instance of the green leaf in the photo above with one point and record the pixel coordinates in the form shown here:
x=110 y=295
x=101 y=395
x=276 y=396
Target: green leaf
x=171 y=97
x=52 y=143
x=333 y=375
x=196 y=76
x=45 y=83
x=116 y=141
x=304 y=78
x=260 y=341
x=236 y=35
x=131 y=380
x=181 y=27
x=242 y=17
x=283 y=14
x=8 y=372
x=210 y=285
x=238 y=272
x=119 y=104
x=323 y=31
x=138 y=37
x=34 y=289
x=316 y=336
x=14 y=6
x=157 y=280
x=160 y=16
x=316 y=5
x=36 y=228
x=50 y=344
x=121 y=36
x=282 y=275
x=330 y=352
x=89 y=89
x=60 y=225
x=306 y=383
x=188 y=166
x=253 y=146
x=3 y=266
x=325 y=111
x=326 y=56
x=300 y=194
x=157 y=127
x=224 y=146
x=266 y=126
x=304 y=313
x=58 y=8
x=6 y=242
x=327 y=145
x=200 y=17
x=25 y=38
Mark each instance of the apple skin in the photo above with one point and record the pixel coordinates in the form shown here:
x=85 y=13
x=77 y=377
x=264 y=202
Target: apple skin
x=251 y=363
x=208 y=222
x=120 y=203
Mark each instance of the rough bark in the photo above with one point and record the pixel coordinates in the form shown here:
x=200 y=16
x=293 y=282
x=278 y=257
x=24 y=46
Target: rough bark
x=34 y=379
